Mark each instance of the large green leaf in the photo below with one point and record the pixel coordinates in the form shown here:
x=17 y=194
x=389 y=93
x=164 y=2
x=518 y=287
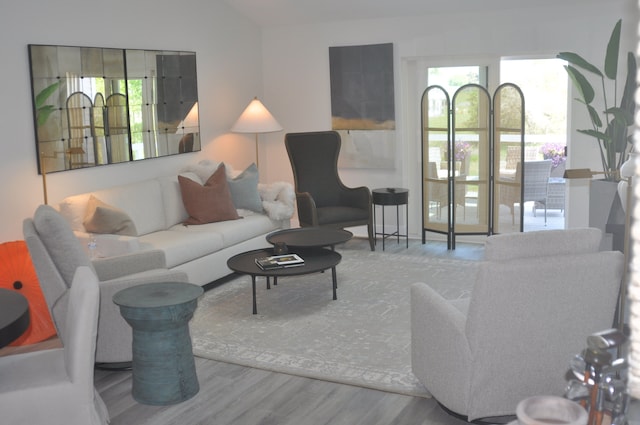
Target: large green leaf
x=623 y=116
x=595 y=116
x=617 y=133
x=581 y=83
x=611 y=57
x=579 y=61
x=597 y=134
x=628 y=103
x=45 y=93
x=43 y=113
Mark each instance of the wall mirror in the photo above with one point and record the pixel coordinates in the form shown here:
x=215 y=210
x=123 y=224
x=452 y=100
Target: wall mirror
x=96 y=106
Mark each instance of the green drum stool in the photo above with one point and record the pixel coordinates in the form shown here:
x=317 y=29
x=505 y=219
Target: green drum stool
x=163 y=367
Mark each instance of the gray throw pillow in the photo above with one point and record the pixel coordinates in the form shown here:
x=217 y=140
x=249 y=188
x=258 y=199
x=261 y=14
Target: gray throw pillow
x=105 y=218
x=62 y=245
x=244 y=190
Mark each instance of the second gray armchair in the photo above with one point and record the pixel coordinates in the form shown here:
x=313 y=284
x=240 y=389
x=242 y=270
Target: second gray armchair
x=56 y=254
x=322 y=198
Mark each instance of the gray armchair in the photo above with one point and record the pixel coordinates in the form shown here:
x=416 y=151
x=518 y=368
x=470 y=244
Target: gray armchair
x=56 y=386
x=56 y=254
x=322 y=198
x=536 y=298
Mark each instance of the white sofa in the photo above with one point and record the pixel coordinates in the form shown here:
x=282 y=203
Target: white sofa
x=156 y=208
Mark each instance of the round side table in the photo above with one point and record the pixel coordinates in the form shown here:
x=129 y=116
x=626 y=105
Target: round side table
x=391 y=196
x=14 y=316
x=163 y=367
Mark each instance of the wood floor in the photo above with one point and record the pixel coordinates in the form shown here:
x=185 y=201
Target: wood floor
x=231 y=394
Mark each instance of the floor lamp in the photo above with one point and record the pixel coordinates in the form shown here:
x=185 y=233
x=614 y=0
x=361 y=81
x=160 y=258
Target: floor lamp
x=256 y=119
x=189 y=128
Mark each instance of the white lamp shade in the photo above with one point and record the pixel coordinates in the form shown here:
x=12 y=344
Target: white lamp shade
x=190 y=122
x=256 y=119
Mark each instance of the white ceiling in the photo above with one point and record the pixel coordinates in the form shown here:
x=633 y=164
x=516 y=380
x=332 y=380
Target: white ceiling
x=269 y=13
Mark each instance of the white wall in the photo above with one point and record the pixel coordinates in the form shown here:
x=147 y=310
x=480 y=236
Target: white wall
x=296 y=75
x=235 y=62
x=228 y=53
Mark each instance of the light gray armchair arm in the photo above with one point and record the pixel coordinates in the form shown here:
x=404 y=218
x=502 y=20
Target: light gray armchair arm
x=437 y=338
x=114 y=333
x=128 y=264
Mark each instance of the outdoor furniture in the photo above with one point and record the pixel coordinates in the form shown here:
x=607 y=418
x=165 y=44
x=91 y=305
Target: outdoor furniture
x=555 y=194
x=536 y=183
x=322 y=198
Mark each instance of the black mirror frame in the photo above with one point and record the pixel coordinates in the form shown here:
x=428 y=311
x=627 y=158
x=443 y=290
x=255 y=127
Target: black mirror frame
x=96 y=106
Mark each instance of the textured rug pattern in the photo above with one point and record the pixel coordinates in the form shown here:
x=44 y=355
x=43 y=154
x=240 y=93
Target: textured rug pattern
x=363 y=338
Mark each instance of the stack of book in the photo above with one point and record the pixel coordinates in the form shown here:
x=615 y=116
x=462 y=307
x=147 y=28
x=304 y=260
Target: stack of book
x=279 y=261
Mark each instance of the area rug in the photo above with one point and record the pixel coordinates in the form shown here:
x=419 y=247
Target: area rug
x=363 y=338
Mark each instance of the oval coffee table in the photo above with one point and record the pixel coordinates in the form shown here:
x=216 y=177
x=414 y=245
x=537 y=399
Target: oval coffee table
x=315 y=260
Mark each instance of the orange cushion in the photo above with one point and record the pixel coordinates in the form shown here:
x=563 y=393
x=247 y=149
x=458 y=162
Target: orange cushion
x=18 y=274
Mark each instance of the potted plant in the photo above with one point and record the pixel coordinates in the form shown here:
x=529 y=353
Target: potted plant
x=610 y=126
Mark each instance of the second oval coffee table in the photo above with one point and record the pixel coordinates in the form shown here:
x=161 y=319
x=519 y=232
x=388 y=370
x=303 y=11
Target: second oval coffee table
x=308 y=237
x=315 y=260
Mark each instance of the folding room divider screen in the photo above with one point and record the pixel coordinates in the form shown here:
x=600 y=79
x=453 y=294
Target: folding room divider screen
x=471 y=147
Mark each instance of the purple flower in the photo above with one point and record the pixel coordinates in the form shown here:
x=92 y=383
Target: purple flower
x=554 y=152
x=462 y=149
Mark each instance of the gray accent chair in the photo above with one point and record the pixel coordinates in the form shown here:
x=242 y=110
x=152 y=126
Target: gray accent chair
x=57 y=253
x=322 y=198
x=536 y=187
x=56 y=386
x=536 y=298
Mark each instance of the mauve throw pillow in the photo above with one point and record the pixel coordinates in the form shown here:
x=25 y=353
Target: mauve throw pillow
x=244 y=190
x=105 y=218
x=209 y=203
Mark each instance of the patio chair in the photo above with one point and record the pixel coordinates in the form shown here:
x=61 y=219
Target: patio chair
x=536 y=187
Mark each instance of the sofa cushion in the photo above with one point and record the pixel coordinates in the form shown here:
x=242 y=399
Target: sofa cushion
x=236 y=231
x=174 y=210
x=142 y=201
x=244 y=190
x=73 y=209
x=183 y=247
x=104 y=218
x=209 y=203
